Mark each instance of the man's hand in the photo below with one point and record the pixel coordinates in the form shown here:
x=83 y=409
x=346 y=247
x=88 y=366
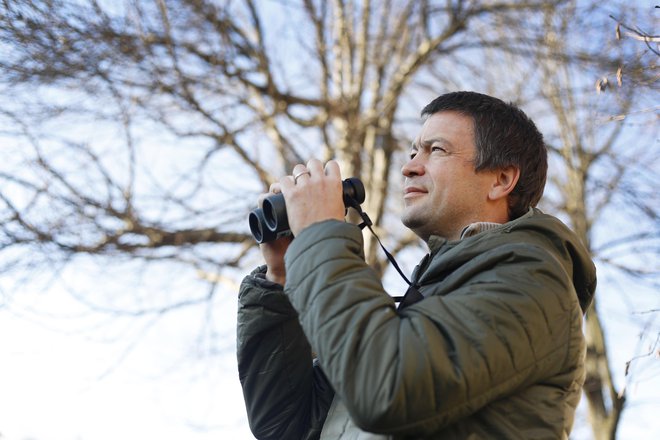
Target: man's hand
x=313 y=194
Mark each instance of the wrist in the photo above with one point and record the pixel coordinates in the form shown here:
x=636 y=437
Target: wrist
x=275 y=277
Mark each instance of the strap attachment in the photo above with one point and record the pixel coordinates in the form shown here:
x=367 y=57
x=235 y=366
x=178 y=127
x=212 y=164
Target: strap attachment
x=366 y=222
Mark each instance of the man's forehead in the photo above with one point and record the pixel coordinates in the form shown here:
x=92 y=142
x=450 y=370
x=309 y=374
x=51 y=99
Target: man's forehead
x=447 y=127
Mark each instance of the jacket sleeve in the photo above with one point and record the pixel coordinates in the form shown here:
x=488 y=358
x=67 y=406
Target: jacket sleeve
x=286 y=394
x=437 y=361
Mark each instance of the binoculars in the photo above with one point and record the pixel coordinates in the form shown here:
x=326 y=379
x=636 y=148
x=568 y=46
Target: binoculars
x=270 y=222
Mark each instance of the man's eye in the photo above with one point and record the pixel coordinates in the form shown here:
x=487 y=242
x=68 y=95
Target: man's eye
x=438 y=148
x=413 y=154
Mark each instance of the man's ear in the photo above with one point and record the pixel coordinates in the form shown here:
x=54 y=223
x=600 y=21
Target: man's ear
x=505 y=180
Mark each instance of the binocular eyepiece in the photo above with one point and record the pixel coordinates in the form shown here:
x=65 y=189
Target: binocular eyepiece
x=270 y=221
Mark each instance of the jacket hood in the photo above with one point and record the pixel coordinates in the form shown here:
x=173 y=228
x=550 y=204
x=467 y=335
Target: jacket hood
x=533 y=228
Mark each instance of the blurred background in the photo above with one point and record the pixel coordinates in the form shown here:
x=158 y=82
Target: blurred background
x=136 y=135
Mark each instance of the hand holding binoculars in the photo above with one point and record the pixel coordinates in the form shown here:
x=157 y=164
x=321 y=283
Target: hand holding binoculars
x=271 y=222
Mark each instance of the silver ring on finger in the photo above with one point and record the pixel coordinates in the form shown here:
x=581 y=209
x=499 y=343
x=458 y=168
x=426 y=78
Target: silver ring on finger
x=296 y=176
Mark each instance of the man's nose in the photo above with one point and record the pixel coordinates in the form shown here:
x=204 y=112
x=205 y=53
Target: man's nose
x=413 y=167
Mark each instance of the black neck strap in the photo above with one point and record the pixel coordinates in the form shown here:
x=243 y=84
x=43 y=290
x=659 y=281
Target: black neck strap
x=366 y=222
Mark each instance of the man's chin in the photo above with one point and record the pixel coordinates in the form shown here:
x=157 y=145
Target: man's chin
x=411 y=221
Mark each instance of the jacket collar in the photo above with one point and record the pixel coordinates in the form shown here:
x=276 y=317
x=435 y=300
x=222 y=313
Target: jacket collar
x=436 y=242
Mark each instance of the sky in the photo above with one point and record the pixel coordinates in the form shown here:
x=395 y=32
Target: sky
x=58 y=383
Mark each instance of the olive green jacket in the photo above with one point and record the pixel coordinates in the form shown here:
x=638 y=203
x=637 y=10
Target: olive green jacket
x=494 y=350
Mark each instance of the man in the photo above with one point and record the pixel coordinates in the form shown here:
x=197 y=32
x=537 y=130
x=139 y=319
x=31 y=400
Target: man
x=493 y=347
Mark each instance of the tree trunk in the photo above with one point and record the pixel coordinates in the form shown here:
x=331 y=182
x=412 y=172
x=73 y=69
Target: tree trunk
x=605 y=404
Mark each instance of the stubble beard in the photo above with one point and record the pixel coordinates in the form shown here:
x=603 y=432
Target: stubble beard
x=415 y=219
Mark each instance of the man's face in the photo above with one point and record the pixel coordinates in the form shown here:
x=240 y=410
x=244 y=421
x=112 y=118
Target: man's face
x=442 y=193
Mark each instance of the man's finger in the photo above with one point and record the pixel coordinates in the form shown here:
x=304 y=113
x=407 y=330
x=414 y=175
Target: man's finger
x=332 y=169
x=315 y=168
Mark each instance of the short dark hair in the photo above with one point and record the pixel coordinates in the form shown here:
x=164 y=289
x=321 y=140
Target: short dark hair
x=503 y=136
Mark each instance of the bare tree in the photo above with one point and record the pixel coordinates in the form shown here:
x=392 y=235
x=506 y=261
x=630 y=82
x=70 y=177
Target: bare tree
x=222 y=81
x=604 y=179
x=97 y=97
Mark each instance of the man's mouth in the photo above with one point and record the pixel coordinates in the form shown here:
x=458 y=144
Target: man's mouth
x=413 y=191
